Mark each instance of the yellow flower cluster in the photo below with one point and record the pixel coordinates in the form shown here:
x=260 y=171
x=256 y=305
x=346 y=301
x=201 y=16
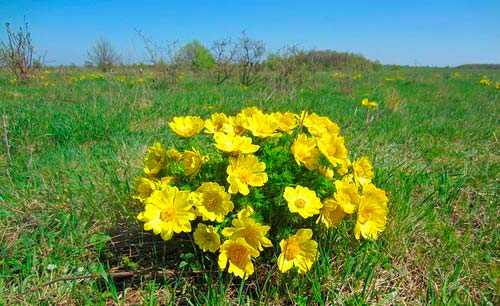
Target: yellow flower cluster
x=238 y=205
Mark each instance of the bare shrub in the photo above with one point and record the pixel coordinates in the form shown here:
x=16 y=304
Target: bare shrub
x=102 y=55
x=249 y=55
x=165 y=58
x=17 y=53
x=288 y=65
x=223 y=53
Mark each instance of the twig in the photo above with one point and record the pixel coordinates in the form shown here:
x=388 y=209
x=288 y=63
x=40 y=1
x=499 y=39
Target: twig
x=6 y=143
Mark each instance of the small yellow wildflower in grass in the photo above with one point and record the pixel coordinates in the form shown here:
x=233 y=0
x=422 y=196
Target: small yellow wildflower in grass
x=287 y=121
x=366 y=102
x=191 y=162
x=215 y=202
x=362 y=170
x=140 y=81
x=207 y=238
x=455 y=75
x=247 y=228
x=331 y=214
x=326 y=172
x=303 y=201
x=121 y=78
x=83 y=78
x=497 y=85
x=390 y=79
x=298 y=251
x=145 y=187
x=187 y=126
x=333 y=148
x=318 y=126
x=234 y=144
x=372 y=213
x=239 y=255
x=357 y=76
x=155 y=159
x=167 y=212
x=305 y=152
x=485 y=82
x=49 y=84
x=347 y=196
x=244 y=171
x=262 y=125
x=337 y=75
x=215 y=123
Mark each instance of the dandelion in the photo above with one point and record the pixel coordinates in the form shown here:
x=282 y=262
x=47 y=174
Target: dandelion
x=372 y=213
x=299 y=251
x=303 y=201
x=167 y=212
x=367 y=103
x=234 y=144
x=207 y=238
x=215 y=202
x=305 y=152
x=239 y=255
x=244 y=171
x=247 y=228
x=187 y=126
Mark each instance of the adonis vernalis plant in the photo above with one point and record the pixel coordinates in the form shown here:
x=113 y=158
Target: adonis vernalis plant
x=254 y=181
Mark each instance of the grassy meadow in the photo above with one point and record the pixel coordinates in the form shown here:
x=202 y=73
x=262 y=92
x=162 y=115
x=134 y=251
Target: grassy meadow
x=76 y=145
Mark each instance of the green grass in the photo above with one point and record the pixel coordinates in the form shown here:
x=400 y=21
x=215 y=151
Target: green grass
x=77 y=147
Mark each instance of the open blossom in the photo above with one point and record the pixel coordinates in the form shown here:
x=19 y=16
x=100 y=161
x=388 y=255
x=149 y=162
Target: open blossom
x=145 y=187
x=234 y=144
x=299 y=251
x=332 y=213
x=333 y=148
x=155 y=160
x=305 y=152
x=214 y=203
x=319 y=125
x=303 y=201
x=167 y=212
x=239 y=255
x=372 y=213
x=187 y=126
x=215 y=123
x=362 y=170
x=287 y=121
x=191 y=161
x=244 y=171
x=262 y=125
x=347 y=196
x=247 y=228
x=235 y=125
x=207 y=238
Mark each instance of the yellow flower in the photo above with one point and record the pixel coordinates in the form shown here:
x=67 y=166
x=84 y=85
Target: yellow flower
x=455 y=75
x=191 y=161
x=331 y=214
x=485 y=82
x=207 y=238
x=320 y=125
x=305 y=152
x=497 y=85
x=215 y=202
x=239 y=254
x=167 y=212
x=343 y=170
x=347 y=196
x=250 y=111
x=215 y=123
x=287 y=121
x=145 y=187
x=244 y=171
x=365 y=102
x=372 y=213
x=187 y=126
x=362 y=169
x=333 y=148
x=235 y=125
x=234 y=144
x=357 y=76
x=247 y=228
x=299 y=251
x=155 y=159
x=262 y=125
x=303 y=201
x=326 y=172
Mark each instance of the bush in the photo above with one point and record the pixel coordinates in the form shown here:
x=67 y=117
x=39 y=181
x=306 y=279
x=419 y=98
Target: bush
x=257 y=181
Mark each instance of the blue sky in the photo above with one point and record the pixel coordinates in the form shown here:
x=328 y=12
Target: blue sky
x=435 y=33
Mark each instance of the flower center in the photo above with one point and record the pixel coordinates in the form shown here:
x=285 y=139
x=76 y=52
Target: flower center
x=292 y=250
x=300 y=203
x=168 y=214
x=237 y=253
x=211 y=201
